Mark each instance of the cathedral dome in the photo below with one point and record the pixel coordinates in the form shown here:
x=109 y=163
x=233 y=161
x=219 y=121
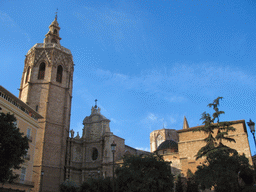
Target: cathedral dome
x=168 y=144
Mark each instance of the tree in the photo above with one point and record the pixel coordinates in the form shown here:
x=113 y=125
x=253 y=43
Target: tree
x=150 y=173
x=210 y=127
x=97 y=185
x=13 y=147
x=179 y=184
x=192 y=185
x=68 y=186
x=220 y=171
x=222 y=163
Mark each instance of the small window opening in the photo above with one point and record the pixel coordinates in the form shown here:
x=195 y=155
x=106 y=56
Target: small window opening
x=94 y=154
x=59 y=74
x=53 y=41
x=55 y=32
x=23 y=174
x=27 y=75
x=41 y=71
x=37 y=108
x=28 y=132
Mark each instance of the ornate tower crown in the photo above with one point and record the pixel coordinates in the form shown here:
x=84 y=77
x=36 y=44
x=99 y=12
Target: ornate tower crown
x=53 y=34
x=46 y=85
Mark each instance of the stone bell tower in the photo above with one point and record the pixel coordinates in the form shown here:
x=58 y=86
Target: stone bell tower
x=46 y=86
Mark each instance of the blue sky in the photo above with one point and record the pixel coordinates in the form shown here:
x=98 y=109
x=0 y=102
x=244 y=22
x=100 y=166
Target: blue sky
x=149 y=63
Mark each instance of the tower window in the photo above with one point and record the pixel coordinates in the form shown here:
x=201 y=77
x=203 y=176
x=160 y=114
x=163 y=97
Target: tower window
x=41 y=71
x=53 y=41
x=59 y=74
x=27 y=75
x=37 y=108
x=55 y=32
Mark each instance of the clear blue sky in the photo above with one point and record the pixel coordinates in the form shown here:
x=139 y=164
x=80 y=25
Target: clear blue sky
x=148 y=63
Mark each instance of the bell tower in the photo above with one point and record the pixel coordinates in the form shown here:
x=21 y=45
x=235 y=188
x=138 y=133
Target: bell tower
x=46 y=86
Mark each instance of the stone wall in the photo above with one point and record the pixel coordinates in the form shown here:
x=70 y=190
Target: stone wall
x=190 y=141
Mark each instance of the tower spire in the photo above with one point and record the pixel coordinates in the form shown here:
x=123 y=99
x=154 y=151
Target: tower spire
x=185 y=123
x=53 y=34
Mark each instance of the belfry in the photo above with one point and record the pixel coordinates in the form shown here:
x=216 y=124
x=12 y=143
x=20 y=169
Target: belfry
x=46 y=86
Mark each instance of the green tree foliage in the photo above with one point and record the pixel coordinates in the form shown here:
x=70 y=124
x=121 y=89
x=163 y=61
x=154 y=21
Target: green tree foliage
x=68 y=186
x=97 y=185
x=144 y=174
x=222 y=163
x=220 y=171
x=192 y=185
x=179 y=184
x=13 y=147
x=213 y=126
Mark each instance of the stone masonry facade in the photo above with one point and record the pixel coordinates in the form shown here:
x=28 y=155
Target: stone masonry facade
x=189 y=142
x=46 y=86
x=90 y=155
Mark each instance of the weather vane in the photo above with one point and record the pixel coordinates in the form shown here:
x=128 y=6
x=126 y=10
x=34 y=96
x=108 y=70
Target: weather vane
x=56 y=14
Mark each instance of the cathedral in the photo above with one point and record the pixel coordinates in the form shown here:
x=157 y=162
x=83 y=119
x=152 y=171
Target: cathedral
x=60 y=155
x=181 y=146
x=46 y=86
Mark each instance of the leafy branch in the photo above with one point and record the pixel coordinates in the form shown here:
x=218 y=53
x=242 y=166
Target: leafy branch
x=216 y=131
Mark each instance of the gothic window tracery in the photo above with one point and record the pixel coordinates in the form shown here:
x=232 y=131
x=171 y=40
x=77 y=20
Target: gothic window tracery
x=59 y=74
x=41 y=71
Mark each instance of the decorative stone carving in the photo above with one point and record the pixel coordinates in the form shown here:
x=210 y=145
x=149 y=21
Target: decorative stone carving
x=77 y=154
x=93 y=110
x=72 y=133
x=77 y=136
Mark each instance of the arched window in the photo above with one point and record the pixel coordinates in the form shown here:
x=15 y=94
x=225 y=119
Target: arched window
x=55 y=32
x=27 y=75
x=41 y=71
x=59 y=74
x=53 y=41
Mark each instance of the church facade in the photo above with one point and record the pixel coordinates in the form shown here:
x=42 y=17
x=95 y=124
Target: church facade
x=90 y=155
